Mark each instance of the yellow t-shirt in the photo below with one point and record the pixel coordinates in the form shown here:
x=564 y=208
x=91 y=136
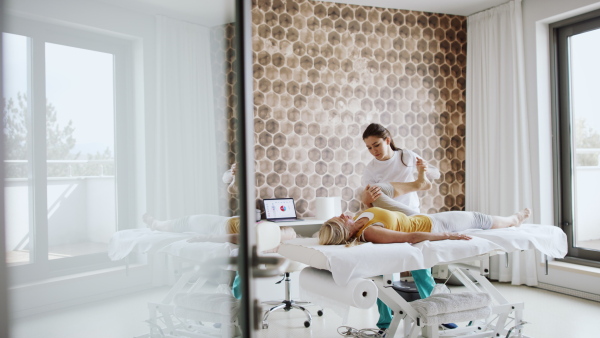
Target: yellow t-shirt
x=396 y=221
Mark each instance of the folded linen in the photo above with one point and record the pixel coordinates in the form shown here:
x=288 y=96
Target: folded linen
x=460 y=316
x=443 y=303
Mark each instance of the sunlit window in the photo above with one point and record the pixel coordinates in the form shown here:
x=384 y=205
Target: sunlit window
x=60 y=120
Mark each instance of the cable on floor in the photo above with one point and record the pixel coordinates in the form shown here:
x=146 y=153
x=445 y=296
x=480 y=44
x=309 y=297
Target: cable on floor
x=347 y=331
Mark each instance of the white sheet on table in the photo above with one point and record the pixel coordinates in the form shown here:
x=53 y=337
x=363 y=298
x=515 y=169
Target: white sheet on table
x=122 y=243
x=201 y=251
x=367 y=260
x=438 y=252
x=208 y=224
x=548 y=239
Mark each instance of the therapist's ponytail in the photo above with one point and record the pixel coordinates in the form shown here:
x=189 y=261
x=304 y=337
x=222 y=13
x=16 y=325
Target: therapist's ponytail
x=377 y=130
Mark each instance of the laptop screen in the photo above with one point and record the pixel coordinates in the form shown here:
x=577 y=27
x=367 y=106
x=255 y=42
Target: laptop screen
x=279 y=208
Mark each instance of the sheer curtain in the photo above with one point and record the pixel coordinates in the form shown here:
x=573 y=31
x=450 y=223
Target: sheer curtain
x=499 y=178
x=185 y=152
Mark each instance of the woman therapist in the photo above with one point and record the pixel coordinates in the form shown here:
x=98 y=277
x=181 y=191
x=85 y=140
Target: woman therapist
x=392 y=164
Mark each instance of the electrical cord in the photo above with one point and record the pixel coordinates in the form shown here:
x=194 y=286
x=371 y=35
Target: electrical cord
x=347 y=331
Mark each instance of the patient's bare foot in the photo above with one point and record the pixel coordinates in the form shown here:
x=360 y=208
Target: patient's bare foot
x=499 y=222
x=522 y=216
x=149 y=220
x=422 y=180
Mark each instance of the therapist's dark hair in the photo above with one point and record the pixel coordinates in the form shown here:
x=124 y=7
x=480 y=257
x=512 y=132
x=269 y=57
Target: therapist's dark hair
x=377 y=130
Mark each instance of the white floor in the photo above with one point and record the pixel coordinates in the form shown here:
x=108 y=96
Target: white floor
x=549 y=315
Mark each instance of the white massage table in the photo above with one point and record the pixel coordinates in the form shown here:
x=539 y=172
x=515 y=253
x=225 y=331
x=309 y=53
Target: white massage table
x=378 y=261
x=200 y=274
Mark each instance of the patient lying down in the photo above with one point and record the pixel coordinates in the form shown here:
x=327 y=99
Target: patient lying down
x=379 y=225
x=227 y=230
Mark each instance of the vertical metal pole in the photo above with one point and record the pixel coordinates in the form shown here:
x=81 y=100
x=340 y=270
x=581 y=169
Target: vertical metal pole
x=248 y=320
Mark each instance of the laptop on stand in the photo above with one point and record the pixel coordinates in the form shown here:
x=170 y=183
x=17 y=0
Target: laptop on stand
x=280 y=210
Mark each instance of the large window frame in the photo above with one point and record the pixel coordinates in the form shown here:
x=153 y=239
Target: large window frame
x=40 y=33
x=562 y=125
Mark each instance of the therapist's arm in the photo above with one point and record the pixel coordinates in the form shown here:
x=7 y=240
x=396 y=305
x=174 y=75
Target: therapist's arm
x=376 y=234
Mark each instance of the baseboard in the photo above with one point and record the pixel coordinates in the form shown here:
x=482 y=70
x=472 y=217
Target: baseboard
x=570 y=292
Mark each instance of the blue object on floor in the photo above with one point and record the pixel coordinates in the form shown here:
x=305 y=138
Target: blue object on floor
x=450 y=325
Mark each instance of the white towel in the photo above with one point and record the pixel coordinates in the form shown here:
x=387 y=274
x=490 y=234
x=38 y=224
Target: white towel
x=123 y=242
x=456 y=317
x=443 y=303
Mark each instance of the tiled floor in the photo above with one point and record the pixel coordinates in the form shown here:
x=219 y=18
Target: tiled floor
x=549 y=314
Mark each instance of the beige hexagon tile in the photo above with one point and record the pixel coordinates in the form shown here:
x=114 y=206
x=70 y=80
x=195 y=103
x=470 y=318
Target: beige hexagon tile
x=323 y=71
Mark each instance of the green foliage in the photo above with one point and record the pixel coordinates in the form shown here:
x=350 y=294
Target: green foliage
x=15 y=119
x=586 y=137
x=59 y=144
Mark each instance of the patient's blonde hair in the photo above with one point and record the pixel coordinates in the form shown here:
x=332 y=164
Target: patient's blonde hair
x=333 y=232
x=233 y=225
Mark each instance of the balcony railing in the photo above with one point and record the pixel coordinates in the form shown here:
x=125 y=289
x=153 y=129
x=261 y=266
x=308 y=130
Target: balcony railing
x=70 y=171
x=81 y=209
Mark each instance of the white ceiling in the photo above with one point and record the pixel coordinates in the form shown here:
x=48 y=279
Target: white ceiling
x=215 y=12
x=205 y=12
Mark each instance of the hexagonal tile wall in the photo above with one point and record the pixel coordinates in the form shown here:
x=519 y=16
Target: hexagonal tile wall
x=225 y=101
x=323 y=71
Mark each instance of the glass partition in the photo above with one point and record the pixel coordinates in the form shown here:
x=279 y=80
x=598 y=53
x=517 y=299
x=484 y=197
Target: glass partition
x=122 y=195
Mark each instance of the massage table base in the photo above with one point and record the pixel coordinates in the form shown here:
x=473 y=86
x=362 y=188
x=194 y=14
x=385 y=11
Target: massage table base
x=506 y=317
x=163 y=321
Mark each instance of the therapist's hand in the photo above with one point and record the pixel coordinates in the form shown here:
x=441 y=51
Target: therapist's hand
x=371 y=194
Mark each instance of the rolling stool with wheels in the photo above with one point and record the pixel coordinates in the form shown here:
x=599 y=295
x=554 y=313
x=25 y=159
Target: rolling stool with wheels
x=288 y=304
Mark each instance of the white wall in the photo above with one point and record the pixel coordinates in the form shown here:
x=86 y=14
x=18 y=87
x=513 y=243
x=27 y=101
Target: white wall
x=537 y=15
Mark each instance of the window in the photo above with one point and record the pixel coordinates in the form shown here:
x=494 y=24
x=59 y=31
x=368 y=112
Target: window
x=63 y=101
x=577 y=126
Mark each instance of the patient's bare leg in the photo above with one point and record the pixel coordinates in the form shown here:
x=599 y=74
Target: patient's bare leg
x=385 y=201
x=155 y=224
x=421 y=183
x=402 y=188
x=499 y=222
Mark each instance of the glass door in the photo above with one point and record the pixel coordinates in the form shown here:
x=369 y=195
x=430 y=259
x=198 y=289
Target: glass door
x=125 y=126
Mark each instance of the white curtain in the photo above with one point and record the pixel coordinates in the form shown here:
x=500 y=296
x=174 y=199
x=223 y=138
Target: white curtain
x=499 y=177
x=186 y=180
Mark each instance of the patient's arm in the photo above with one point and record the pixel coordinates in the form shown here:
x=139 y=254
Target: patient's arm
x=378 y=234
x=231 y=238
